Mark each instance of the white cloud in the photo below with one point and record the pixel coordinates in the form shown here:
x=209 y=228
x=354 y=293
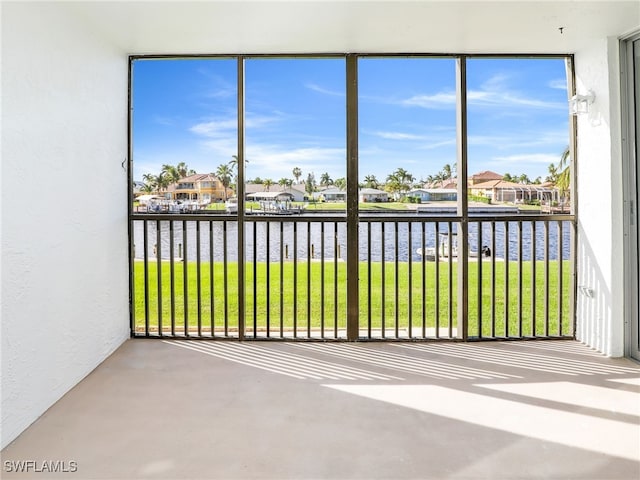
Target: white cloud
x=538 y=158
x=428 y=142
x=507 y=99
x=437 y=100
x=495 y=92
x=399 y=136
x=528 y=139
x=559 y=83
x=228 y=126
x=325 y=91
x=215 y=128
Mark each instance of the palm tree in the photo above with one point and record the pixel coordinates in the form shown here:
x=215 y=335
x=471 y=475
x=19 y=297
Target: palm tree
x=563 y=181
x=310 y=185
x=553 y=174
x=151 y=180
x=393 y=185
x=325 y=180
x=170 y=173
x=340 y=183
x=524 y=179
x=370 y=181
x=147 y=188
x=233 y=165
x=267 y=182
x=224 y=174
x=183 y=170
x=285 y=183
x=399 y=181
x=297 y=173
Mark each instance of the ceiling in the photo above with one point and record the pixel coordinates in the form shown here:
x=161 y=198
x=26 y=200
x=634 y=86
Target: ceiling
x=508 y=26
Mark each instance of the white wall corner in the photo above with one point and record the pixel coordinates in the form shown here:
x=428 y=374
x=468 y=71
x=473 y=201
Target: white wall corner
x=64 y=207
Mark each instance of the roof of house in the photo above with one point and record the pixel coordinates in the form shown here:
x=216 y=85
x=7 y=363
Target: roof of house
x=274 y=187
x=198 y=177
x=487 y=184
x=486 y=175
x=501 y=184
x=372 y=191
x=333 y=191
x=434 y=190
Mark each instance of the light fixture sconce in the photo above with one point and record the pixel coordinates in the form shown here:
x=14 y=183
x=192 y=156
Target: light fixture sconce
x=579 y=104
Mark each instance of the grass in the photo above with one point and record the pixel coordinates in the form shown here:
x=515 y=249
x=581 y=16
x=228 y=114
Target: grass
x=278 y=300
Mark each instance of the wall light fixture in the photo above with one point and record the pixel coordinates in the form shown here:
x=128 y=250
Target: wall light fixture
x=579 y=104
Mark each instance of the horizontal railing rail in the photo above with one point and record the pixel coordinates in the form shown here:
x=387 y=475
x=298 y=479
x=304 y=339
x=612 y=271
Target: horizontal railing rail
x=519 y=276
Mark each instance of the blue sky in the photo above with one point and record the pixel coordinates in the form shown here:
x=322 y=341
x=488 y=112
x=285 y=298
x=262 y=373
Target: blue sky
x=185 y=111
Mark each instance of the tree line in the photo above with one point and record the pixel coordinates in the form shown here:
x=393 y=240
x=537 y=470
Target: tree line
x=396 y=183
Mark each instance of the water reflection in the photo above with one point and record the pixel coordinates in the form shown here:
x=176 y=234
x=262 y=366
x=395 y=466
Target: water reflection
x=307 y=240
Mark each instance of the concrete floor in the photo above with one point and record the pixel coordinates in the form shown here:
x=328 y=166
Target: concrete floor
x=196 y=410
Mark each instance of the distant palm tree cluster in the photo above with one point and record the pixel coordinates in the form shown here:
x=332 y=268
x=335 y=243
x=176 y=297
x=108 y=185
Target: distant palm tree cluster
x=397 y=183
x=169 y=174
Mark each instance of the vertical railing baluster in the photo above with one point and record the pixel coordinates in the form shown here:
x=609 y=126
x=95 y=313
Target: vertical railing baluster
x=185 y=279
x=159 y=272
x=295 y=280
x=369 y=280
x=267 y=251
x=172 y=272
x=437 y=270
x=383 y=283
x=281 y=279
x=198 y=285
x=308 y=279
x=211 y=279
x=546 y=278
x=424 y=279
x=533 y=278
x=506 y=279
x=322 y=279
x=255 y=279
x=520 y=275
x=493 y=279
x=335 y=280
x=396 y=279
x=479 y=259
x=560 y=282
x=145 y=244
x=409 y=273
x=225 y=276
x=450 y=280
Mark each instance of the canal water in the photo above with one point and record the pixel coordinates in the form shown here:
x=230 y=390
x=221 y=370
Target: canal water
x=303 y=240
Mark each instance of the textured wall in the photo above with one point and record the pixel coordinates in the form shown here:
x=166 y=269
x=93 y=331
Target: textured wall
x=64 y=229
x=600 y=235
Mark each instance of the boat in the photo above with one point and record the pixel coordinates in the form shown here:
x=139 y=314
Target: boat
x=231 y=205
x=443 y=250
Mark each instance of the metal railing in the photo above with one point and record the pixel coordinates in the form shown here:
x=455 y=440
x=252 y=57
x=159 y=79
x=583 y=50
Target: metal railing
x=516 y=273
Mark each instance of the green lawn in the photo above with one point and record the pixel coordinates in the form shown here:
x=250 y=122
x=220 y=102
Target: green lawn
x=315 y=292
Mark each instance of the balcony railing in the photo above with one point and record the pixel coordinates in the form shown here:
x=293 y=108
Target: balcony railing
x=418 y=277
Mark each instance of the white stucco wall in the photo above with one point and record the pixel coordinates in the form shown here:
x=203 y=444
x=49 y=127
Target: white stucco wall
x=600 y=321
x=64 y=229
